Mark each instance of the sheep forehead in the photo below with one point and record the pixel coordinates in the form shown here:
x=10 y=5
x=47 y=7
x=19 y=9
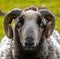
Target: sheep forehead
x=30 y=14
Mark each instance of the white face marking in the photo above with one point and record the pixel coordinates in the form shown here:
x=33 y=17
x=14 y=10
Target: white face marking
x=30 y=18
x=30 y=14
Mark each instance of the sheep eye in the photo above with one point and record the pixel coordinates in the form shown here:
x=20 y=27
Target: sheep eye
x=41 y=25
x=21 y=20
x=39 y=20
x=18 y=24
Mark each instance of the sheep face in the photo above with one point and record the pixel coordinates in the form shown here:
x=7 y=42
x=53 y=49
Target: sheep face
x=32 y=26
x=29 y=30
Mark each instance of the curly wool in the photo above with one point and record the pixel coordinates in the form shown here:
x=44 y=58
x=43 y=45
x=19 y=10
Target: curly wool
x=50 y=48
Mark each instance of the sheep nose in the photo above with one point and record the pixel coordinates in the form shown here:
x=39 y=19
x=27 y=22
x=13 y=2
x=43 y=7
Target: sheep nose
x=29 y=44
x=29 y=41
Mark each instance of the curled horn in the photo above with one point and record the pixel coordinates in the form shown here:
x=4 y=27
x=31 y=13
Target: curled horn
x=8 y=20
x=49 y=27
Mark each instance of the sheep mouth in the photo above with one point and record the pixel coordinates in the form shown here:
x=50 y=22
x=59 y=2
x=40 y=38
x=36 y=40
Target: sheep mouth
x=30 y=49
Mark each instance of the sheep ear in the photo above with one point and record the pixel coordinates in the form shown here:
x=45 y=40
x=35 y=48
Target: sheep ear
x=49 y=27
x=8 y=20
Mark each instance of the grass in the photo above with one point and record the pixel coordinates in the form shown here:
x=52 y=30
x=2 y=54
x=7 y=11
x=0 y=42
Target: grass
x=7 y=5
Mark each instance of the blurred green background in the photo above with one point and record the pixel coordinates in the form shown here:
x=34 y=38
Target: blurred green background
x=7 y=5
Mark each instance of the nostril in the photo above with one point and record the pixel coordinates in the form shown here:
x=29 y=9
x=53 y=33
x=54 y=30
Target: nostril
x=26 y=43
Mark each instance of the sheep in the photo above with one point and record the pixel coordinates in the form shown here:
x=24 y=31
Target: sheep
x=33 y=36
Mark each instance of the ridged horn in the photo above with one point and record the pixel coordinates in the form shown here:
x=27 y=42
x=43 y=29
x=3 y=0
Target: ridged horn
x=49 y=27
x=8 y=20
